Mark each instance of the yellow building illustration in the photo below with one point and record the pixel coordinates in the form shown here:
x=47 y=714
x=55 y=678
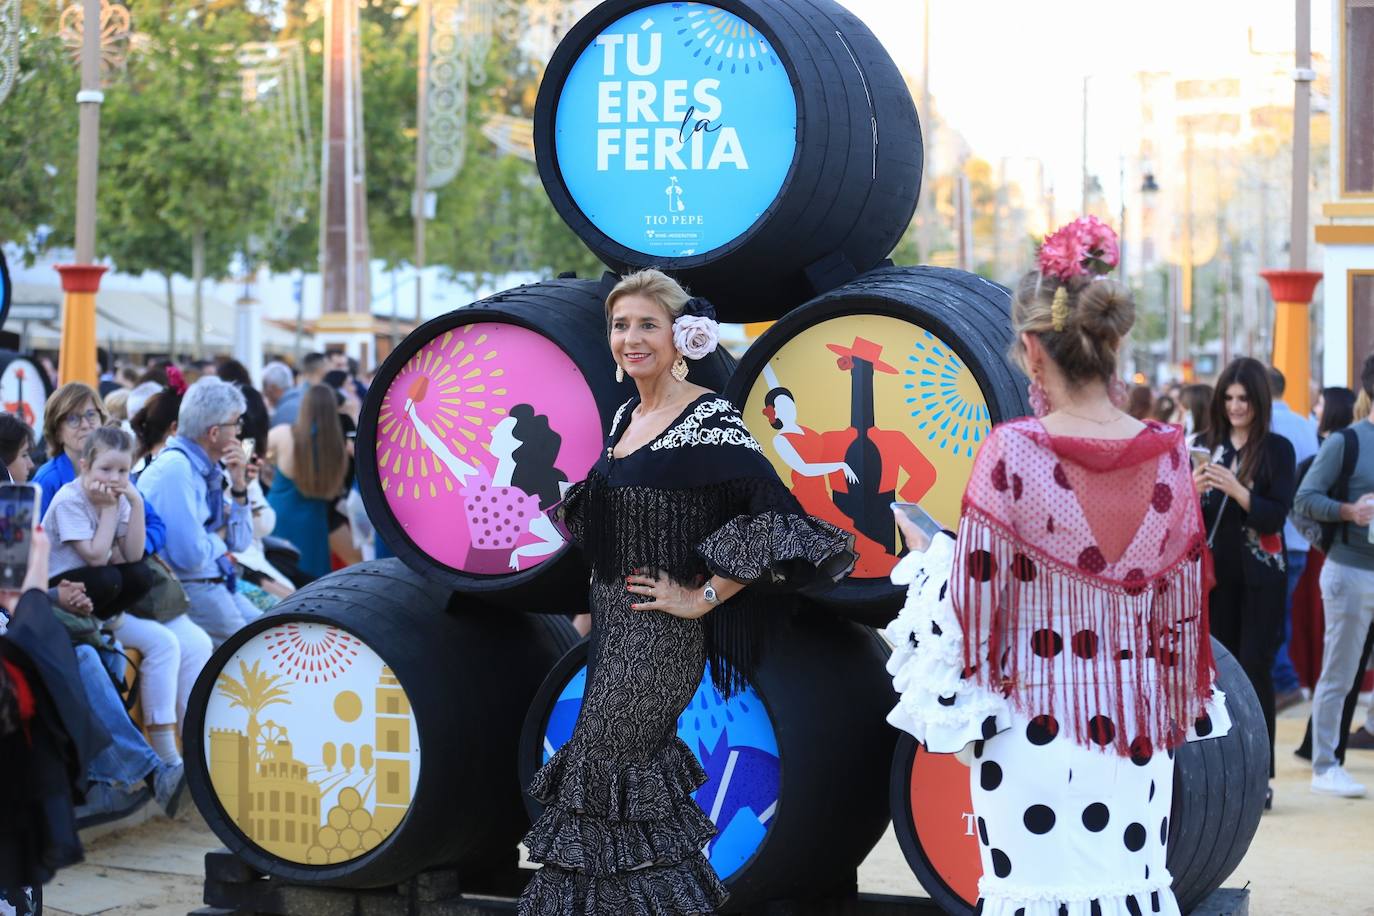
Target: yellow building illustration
x=282 y=803
x=393 y=753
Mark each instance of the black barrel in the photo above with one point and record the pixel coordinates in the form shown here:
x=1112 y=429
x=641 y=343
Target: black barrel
x=761 y=150
x=6 y=289
x=513 y=396
x=364 y=731
x=898 y=374
x=796 y=764
x=1219 y=789
x=1218 y=800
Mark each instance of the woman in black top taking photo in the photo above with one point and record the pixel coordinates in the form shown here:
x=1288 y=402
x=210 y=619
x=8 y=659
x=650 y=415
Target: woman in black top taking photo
x=1247 y=491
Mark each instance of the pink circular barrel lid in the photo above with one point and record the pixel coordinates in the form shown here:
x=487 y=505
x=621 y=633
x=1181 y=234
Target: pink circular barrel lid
x=462 y=385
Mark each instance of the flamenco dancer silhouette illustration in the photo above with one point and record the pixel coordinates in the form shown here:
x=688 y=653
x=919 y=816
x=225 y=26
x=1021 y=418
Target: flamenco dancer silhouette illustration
x=508 y=503
x=850 y=477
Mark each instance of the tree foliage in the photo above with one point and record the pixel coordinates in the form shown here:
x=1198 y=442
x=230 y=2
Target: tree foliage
x=183 y=155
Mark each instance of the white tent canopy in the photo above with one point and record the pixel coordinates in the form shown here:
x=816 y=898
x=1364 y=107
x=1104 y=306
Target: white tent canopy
x=135 y=321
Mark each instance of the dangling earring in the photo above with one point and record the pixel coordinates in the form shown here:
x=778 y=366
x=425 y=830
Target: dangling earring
x=1039 y=400
x=619 y=372
x=679 y=369
x=1118 y=392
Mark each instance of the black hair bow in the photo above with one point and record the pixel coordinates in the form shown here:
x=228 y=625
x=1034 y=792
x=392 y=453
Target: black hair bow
x=699 y=307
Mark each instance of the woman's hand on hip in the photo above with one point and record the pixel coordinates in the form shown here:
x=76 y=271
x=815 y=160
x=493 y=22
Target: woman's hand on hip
x=663 y=594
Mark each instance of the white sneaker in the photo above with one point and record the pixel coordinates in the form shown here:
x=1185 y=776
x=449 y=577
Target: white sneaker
x=1336 y=781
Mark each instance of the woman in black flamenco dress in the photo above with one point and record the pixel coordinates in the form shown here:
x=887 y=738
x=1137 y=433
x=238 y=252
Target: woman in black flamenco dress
x=688 y=531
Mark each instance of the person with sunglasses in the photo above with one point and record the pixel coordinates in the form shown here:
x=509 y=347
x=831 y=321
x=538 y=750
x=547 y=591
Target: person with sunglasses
x=69 y=416
x=186 y=485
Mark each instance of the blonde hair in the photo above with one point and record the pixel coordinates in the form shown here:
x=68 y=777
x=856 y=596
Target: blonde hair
x=117 y=403
x=1362 y=404
x=650 y=283
x=1099 y=313
x=62 y=402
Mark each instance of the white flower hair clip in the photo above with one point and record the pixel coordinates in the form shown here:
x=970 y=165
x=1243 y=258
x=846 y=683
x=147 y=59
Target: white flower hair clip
x=696 y=333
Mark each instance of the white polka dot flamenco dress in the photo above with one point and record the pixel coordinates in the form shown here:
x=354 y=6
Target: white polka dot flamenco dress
x=1071 y=780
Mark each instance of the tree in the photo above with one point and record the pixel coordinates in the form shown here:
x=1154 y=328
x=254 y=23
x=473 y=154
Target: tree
x=256 y=691
x=38 y=138
x=184 y=184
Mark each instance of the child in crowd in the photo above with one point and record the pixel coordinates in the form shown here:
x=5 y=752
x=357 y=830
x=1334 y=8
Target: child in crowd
x=96 y=524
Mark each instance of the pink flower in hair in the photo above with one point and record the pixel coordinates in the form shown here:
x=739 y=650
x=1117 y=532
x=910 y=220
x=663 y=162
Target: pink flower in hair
x=1082 y=248
x=1062 y=253
x=1099 y=240
x=176 y=381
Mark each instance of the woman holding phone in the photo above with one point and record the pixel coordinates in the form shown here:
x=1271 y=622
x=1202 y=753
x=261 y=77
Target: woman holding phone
x=1246 y=491
x=1060 y=644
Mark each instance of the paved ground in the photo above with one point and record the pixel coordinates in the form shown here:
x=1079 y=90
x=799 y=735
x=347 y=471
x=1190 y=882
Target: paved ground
x=1313 y=855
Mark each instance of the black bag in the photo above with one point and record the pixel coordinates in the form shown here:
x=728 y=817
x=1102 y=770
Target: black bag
x=1323 y=534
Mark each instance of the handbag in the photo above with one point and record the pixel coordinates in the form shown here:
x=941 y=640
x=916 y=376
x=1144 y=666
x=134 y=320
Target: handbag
x=85 y=631
x=166 y=600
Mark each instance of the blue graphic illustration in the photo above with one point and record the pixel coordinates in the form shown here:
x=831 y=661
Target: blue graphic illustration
x=949 y=419
x=735 y=743
x=672 y=97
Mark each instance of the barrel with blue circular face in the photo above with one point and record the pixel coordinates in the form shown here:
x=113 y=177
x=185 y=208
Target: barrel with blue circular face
x=751 y=148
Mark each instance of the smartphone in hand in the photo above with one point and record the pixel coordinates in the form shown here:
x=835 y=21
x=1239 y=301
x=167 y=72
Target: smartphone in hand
x=1200 y=456
x=922 y=519
x=19 y=504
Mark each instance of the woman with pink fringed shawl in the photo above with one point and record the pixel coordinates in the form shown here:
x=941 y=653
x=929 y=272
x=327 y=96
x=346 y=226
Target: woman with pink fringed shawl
x=1060 y=643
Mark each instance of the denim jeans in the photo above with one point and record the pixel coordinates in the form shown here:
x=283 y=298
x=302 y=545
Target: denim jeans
x=129 y=758
x=218 y=611
x=1285 y=675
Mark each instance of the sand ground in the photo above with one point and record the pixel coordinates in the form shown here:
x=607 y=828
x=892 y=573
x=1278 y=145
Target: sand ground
x=1312 y=855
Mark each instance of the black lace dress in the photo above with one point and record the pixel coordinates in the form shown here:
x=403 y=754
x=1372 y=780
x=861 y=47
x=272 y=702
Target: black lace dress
x=620 y=833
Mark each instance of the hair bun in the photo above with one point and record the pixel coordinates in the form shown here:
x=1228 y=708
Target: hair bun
x=699 y=307
x=1104 y=310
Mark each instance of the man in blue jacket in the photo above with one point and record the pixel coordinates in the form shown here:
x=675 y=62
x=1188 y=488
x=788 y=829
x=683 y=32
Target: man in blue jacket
x=186 y=485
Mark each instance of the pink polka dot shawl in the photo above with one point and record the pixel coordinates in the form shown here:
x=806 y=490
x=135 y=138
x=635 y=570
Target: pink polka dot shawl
x=1081 y=575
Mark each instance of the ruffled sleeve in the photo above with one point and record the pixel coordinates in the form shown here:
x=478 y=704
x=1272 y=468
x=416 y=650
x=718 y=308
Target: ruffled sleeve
x=773 y=545
x=940 y=702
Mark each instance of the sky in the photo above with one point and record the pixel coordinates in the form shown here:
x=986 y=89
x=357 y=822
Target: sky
x=1009 y=75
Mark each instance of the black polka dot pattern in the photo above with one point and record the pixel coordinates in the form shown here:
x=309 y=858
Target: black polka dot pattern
x=1132 y=906
x=1022 y=568
x=983 y=831
x=1134 y=837
x=1096 y=816
x=1061 y=478
x=1039 y=819
x=1094 y=908
x=1084 y=644
x=1046 y=643
x=1142 y=751
x=949 y=700
x=1001 y=865
x=989 y=776
x=1092 y=561
x=1042 y=730
x=1203 y=726
x=1164 y=832
x=1101 y=730
x=981 y=566
x=999 y=477
x=989 y=726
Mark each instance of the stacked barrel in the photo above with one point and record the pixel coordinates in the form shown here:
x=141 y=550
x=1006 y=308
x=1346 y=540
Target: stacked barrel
x=768 y=155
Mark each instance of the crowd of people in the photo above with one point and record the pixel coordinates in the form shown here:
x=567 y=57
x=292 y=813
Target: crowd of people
x=177 y=504
x=1288 y=522
x=181 y=502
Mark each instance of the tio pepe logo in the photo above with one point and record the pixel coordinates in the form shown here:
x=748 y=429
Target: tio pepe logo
x=672 y=97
